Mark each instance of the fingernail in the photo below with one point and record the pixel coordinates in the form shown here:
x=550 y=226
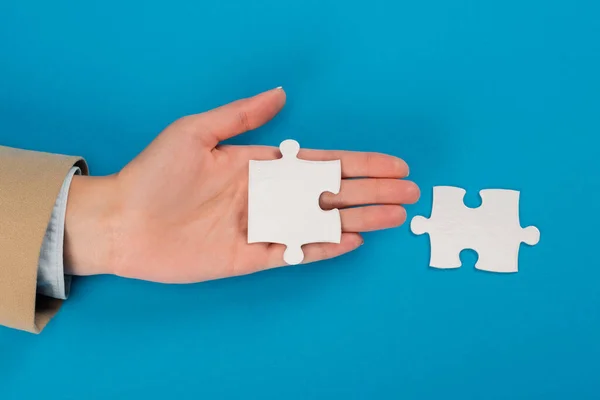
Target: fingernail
x=362 y=242
x=279 y=88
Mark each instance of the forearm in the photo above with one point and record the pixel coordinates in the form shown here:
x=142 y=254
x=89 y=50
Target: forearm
x=90 y=226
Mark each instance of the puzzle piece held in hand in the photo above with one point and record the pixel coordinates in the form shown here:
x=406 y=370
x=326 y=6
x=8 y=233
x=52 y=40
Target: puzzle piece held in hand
x=283 y=202
x=493 y=230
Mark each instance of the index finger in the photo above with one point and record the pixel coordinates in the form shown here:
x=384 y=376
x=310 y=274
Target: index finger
x=357 y=164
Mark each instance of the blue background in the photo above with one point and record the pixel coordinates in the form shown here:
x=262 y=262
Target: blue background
x=477 y=94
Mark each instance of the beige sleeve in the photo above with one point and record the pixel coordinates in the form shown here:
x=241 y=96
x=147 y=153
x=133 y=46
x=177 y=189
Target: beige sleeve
x=29 y=185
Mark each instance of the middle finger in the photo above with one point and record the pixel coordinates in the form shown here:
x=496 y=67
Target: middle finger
x=355 y=192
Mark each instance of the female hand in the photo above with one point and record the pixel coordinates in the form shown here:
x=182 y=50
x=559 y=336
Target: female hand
x=177 y=213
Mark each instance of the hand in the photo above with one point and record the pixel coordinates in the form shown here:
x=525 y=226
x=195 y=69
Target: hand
x=177 y=213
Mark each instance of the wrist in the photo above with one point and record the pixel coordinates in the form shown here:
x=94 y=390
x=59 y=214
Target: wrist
x=90 y=226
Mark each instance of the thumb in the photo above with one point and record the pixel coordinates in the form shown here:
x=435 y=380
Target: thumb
x=238 y=117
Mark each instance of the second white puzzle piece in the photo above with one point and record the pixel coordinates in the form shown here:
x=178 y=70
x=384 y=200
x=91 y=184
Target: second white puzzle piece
x=493 y=230
x=283 y=201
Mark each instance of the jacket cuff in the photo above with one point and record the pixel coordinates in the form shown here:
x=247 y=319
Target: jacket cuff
x=30 y=183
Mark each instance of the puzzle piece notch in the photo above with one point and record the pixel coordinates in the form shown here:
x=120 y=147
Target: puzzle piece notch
x=289 y=149
x=492 y=230
x=283 y=201
x=293 y=254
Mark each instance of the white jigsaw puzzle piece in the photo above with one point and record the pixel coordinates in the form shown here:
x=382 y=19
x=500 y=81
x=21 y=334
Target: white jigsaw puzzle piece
x=283 y=202
x=493 y=230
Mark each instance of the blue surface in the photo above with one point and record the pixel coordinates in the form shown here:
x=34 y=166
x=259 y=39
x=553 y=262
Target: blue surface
x=471 y=93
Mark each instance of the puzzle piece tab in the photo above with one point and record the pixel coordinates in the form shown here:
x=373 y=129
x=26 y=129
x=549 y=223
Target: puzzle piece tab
x=493 y=230
x=283 y=201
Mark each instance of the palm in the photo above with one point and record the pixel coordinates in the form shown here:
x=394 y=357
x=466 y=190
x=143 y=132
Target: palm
x=184 y=199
